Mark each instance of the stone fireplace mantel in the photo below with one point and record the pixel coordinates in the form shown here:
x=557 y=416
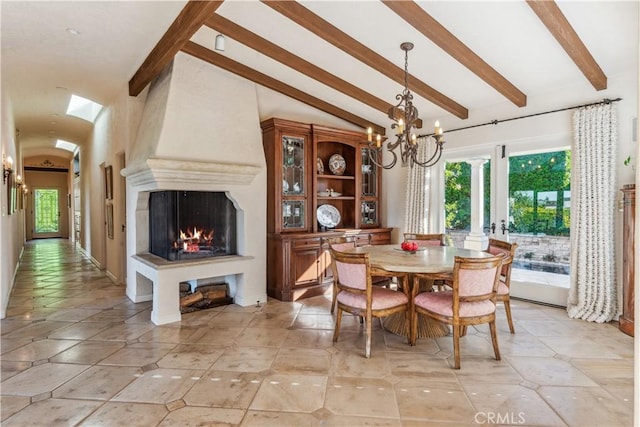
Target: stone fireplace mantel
x=157 y=173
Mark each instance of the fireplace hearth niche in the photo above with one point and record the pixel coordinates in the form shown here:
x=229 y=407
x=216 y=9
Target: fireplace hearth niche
x=186 y=225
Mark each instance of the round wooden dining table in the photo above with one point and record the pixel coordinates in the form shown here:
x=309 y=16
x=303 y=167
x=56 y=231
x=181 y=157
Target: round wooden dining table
x=434 y=261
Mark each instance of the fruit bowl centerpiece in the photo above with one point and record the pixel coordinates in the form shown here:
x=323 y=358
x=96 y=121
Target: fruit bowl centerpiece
x=410 y=247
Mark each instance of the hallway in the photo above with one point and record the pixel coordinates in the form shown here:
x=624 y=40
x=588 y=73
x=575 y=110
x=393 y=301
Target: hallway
x=76 y=351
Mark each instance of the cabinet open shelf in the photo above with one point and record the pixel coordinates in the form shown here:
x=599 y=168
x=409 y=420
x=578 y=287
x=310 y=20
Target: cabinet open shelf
x=346 y=177
x=336 y=198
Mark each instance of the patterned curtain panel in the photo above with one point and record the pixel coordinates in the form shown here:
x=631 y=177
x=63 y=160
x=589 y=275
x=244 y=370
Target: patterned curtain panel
x=416 y=218
x=593 y=292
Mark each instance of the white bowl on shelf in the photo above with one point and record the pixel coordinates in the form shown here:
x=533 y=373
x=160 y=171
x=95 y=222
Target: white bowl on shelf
x=335 y=194
x=324 y=193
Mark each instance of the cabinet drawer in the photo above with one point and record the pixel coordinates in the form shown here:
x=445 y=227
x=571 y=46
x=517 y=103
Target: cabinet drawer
x=380 y=238
x=306 y=243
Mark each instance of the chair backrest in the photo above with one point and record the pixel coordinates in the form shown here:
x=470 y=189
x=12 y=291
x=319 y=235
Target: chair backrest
x=497 y=247
x=476 y=279
x=340 y=243
x=351 y=270
x=425 y=239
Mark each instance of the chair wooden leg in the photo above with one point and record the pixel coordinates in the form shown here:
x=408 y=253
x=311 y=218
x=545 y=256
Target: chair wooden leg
x=494 y=338
x=334 y=298
x=367 y=348
x=456 y=345
x=338 y=320
x=507 y=309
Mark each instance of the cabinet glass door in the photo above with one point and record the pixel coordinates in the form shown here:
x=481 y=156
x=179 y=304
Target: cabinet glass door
x=293 y=214
x=293 y=172
x=293 y=183
x=369 y=173
x=369 y=212
x=369 y=180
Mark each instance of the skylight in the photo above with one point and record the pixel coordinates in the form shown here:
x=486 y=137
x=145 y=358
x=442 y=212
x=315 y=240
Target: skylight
x=83 y=108
x=66 y=145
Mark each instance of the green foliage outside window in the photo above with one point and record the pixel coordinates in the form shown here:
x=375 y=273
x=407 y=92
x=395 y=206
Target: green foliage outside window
x=458 y=195
x=539 y=194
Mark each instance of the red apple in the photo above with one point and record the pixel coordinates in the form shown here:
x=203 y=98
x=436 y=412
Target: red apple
x=409 y=246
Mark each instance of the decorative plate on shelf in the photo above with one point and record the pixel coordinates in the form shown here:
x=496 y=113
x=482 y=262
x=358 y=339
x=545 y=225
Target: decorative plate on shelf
x=320 y=166
x=328 y=216
x=337 y=164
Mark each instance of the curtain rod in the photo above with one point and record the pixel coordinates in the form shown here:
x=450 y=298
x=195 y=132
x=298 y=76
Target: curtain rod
x=495 y=122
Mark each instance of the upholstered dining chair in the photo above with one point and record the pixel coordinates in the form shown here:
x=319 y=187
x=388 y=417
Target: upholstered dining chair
x=508 y=250
x=358 y=296
x=424 y=240
x=341 y=244
x=471 y=301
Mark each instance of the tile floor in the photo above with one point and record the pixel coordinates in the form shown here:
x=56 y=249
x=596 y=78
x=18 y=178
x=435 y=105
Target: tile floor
x=76 y=352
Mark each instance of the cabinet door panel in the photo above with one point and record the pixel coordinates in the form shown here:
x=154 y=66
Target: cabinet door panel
x=305 y=266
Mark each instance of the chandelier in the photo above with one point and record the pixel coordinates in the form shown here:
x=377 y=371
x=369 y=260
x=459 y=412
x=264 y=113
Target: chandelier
x=421 y=150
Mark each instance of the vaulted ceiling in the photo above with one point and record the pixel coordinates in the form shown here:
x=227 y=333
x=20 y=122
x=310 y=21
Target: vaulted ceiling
x=341 y=57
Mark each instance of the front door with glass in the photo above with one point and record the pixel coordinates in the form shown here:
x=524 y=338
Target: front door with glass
x=46 y=213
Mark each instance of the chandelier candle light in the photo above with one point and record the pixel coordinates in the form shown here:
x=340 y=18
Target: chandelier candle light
x=405 y=122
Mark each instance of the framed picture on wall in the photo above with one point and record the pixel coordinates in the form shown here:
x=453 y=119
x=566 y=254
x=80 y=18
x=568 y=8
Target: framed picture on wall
x=11 y=194
x=110 y=220
x=108 y=182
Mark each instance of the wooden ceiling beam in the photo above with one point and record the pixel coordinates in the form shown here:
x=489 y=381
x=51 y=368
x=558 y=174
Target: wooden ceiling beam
x=433 y=30
x=555 y=21
x=190 y=19
x=259 y=44
x=312 y=22
x=257 y=77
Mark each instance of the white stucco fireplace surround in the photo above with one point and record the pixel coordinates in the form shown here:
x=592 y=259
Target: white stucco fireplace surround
x=192 y=137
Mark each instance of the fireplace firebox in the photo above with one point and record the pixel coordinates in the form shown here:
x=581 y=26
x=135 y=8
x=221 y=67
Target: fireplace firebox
x=187 y=225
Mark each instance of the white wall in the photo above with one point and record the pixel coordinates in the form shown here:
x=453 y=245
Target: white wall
x=113 y=131
x=11 y=226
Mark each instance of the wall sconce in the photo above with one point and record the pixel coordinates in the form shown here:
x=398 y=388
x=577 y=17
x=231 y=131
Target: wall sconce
x=7 y=168
x=18 y=180
x=219 y=43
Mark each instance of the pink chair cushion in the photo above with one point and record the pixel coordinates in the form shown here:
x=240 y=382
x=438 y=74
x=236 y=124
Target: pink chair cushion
x=423 y=243
x=352 y=275
x=503 y=289
x=442 y=303
x=476 y=282
x=382 y=299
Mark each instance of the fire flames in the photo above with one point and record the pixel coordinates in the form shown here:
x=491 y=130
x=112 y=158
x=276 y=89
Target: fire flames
x=193 y=240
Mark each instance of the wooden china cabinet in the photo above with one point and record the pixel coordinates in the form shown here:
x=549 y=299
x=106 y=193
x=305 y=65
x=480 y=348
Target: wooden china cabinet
x=313 y=168
x=627 y=317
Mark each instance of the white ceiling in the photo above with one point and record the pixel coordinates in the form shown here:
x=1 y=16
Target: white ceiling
x=42 y=63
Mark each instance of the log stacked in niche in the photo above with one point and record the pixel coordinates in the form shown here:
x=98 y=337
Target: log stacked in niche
x=203 y=297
